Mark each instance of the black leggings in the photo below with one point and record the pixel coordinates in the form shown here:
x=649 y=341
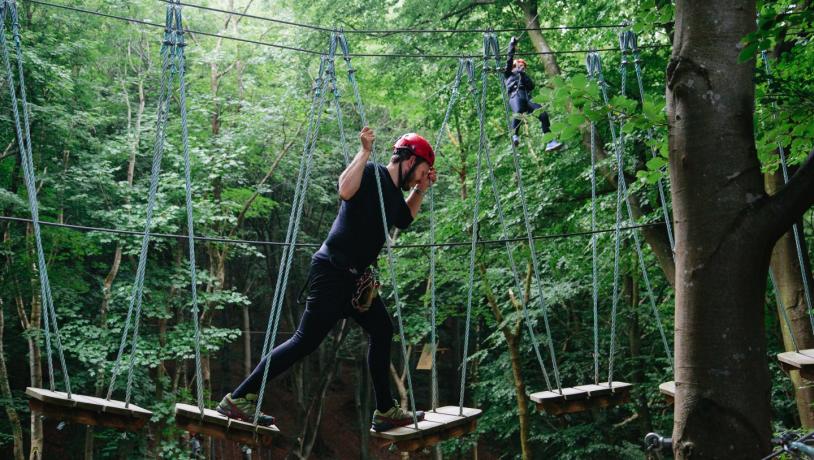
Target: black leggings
x=520 y=103
x=328 y=301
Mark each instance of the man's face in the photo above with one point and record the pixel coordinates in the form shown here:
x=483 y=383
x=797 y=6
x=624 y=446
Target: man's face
x=520 y=67
x=419 y=173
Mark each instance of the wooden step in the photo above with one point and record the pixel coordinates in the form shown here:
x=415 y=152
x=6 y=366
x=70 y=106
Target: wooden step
x=802 y=361
x=444 y=423
x=582 y=398
x=87 y=410
x=668 y=389
x=219 y=426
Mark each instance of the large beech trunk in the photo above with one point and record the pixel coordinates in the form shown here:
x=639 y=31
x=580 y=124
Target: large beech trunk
x=726 y=226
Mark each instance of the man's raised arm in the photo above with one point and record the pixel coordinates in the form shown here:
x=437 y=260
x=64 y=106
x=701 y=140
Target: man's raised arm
x=351 y=177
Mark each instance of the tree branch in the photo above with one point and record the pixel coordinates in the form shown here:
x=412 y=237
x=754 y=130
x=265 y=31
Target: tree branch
x=779 y=211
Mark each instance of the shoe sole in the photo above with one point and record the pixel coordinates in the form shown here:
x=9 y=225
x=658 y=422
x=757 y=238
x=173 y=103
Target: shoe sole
x=554 y=149
x=233 y=413
x=389 y=425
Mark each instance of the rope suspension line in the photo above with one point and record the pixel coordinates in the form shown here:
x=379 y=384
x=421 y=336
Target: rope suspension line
x=315 y=52
x=594 y=66
x=171 y=46
x=391 y=263
x=782 y=307
x=632 y=43
x=8 y=9
x=594 y=258
x=492 y=49
x=213 y=239
x=804 y=271
x=399 y=31
x=482 y=148
x=180 y=65
x=306 y=163
x=434 y=249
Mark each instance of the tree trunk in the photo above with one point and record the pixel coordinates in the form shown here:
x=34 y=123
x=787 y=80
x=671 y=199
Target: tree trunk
x=631 y=294
x=313 y=416
x=513 y=335
x=785 y=266
x=725 y=229
x=5 y=392
x=362 y=397
x=31 y=325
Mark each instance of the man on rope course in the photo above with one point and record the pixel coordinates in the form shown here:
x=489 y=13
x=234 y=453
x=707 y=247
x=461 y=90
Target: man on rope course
x=342 y=282
x=518 y=86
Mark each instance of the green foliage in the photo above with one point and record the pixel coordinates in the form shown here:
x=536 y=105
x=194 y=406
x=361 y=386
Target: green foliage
x=85 y=75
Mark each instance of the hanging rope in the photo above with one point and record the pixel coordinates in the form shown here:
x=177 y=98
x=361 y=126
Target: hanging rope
x=594 y=258
x=134 y=308
x=781 y=306
x=8 y=9
x=433 y=249
x=482 y=147
x=632 y=44
x=804 y=272
x=343 y=43
x=306 y=163
x=594 y=65
x=493 y=49
x=331 y=72
x=181 y=64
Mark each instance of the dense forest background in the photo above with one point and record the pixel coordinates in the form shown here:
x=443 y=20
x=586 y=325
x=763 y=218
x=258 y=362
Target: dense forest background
x=92 y=84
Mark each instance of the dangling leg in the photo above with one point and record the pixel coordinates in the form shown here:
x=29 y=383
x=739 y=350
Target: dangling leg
x=517 y=104
x=379 y=328
x=545 y=124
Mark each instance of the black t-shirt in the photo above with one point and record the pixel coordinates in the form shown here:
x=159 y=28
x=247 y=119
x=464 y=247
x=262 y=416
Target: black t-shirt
x=356 y=236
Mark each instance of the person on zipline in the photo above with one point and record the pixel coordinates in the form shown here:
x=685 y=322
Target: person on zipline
x=342 y=282
x=519 y=85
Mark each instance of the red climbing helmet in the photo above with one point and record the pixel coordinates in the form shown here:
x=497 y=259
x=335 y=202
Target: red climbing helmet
x=418 y=145
x=517 y=62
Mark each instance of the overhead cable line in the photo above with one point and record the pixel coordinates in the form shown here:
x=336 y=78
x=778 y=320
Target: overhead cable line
x=398 y=31
x=310 y=245
x=314 y=52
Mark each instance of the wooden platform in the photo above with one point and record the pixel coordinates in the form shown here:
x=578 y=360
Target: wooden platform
x=582 y=398
x=219 y=426
x=668 y=389
x=439 y=425
x=87 y=410
x=802 y=361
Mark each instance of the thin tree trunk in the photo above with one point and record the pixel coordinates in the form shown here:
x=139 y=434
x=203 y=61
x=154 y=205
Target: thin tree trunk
x=313 y=416
x=362 y=400
x=513 y=336
x=31 y=325
x=5 y=392
x=631 y=293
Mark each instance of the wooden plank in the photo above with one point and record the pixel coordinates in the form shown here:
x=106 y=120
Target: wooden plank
x=799 y=359
x=425 y=361
x=87 y=410
x=441 y=424
x=217 y=425
x=569 y=393
x=594 y=397
x=668 y=389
